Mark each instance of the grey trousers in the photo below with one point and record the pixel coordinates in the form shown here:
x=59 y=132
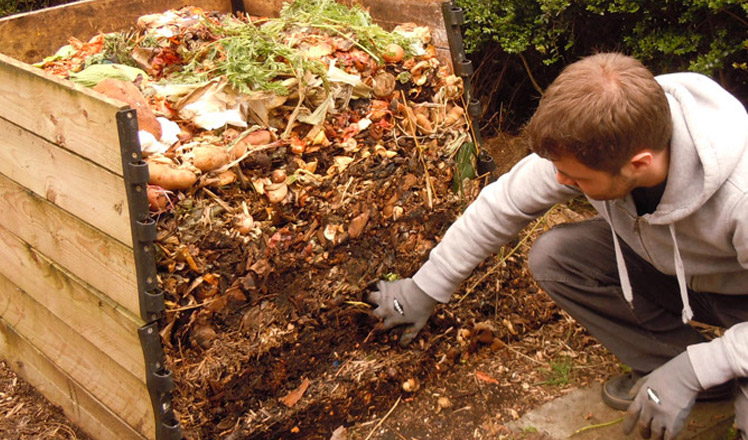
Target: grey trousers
x=575 y=264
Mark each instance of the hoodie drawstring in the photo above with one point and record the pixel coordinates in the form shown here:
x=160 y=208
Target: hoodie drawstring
x=681 y=275
x=623 y=273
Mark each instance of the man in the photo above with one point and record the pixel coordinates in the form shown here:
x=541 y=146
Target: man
x=665 y=163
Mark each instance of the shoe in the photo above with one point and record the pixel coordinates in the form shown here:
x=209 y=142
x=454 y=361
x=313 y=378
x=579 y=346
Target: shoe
x=619 y=392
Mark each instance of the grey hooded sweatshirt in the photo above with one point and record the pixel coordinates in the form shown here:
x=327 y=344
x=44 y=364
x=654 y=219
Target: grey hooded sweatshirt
x=698 y=233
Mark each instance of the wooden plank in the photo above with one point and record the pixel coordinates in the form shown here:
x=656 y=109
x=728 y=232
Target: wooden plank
x=390 y=13
x=94 y=257
x=263 y=8
x=62 y=112
x=32 y=36
x=76 y=185
x=118 y=389
x=96 y=318
x=76 y=402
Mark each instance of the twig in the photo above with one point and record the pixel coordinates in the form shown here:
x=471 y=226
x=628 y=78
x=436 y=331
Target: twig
x=295 y=112
x=218 y=200
x=193 y=306
x=529 y=73
x=419 y=148
x=383 y=418
x=515 y=351
x=597 y=426
x=524 y=239
x=359 y=304
x=345 y=191
x=469 y=120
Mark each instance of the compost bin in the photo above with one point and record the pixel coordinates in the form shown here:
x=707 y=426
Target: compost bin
x=239 y=294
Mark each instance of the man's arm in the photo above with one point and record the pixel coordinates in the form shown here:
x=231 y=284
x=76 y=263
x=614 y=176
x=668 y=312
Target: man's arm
x=499 y=213
x=721 y=359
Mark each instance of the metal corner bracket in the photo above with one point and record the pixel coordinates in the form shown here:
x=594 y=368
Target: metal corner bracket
x=151 y=299
x=454 y=17
x=160 y=384
x=135 y=171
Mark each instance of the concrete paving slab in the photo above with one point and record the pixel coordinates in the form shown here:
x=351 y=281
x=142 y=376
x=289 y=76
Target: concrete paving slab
x=564 y=417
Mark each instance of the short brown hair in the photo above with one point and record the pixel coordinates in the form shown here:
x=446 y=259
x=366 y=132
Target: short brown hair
x=602 y=109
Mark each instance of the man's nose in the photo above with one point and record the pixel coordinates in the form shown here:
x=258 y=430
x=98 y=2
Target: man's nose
x=563 y=180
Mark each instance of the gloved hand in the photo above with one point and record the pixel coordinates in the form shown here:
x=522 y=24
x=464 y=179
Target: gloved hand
x=402 y=302
x=741 y=407
x=664 y=400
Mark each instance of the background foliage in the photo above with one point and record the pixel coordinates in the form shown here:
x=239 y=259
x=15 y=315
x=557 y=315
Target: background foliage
x=528 y=41
x=8 y=7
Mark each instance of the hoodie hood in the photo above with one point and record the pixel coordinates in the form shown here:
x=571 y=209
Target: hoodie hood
x=710 y=134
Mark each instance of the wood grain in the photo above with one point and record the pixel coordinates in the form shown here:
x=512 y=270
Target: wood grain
x=61 y=112
x=71 y=182
x=118 y=389
x=99 y=320
x=101 y=261
x=76 y=402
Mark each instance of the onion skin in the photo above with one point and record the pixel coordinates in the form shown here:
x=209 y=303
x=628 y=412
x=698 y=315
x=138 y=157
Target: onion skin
x=393 y=53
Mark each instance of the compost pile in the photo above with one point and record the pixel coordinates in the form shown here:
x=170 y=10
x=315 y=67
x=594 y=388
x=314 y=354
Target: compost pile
x=294 y=161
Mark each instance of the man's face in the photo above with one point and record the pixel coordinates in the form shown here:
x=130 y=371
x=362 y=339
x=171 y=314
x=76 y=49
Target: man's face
x=596 y=184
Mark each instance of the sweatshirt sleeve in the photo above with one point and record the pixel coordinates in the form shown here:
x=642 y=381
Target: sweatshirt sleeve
x=497 y=215
x=721 y=359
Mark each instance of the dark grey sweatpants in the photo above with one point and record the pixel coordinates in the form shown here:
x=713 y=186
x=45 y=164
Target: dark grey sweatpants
x=575 y=264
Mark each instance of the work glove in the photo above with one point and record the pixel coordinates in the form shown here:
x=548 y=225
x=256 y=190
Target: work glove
x=402 y=302
x=741 y=408
x=664 y=400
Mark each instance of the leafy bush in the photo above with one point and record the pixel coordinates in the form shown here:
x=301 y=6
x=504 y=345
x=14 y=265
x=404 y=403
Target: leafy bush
x=706 y=36
x=8 y=7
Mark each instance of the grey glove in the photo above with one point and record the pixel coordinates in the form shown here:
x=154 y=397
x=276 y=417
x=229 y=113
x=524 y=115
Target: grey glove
x=402 y=302
x=664 y=400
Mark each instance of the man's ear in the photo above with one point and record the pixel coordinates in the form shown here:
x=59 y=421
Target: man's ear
x=642 y=160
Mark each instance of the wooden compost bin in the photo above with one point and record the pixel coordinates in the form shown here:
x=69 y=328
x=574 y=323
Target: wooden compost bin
x=79 y=302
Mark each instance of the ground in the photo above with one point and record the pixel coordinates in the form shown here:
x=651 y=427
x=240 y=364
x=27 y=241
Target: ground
x=26 y=415
x=306 y=362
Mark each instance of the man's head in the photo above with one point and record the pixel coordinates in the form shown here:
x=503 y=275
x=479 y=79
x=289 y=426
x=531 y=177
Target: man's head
x=602 y=112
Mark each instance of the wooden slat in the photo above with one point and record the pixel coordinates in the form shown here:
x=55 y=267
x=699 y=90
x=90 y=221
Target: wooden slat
x=96 y=258
x=119 y=390
x=390 y=13
x=62 y=112
x=96 y=318
x=76 y=402
x=76 y=185
x=31 y=37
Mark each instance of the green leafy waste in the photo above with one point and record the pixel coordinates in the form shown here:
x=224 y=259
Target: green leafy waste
x=465 y=160
x=252 y=55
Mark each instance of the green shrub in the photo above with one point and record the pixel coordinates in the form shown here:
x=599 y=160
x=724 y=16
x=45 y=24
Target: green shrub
x=8 y=7
x=700 y=35
x=706 y=36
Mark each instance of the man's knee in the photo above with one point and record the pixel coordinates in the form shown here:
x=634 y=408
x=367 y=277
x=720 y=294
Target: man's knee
x=544 y=255
x=571 y=248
